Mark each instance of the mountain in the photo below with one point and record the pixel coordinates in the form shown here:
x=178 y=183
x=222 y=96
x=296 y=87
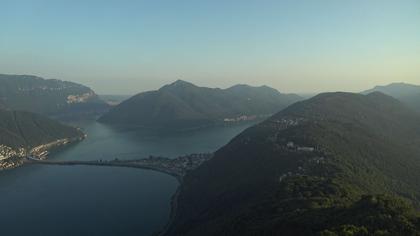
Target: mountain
x=182 y=104
x=50 y=97
x=407 y=93
x=336 y=164
x=113 y=99
x=26 y=129
x=21 y=132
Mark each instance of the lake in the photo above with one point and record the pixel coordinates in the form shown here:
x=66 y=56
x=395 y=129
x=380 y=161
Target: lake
x=87 y=200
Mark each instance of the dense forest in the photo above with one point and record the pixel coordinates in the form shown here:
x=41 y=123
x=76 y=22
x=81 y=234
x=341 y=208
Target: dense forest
x=336 y=164
x=182 y=104
x=27 y=130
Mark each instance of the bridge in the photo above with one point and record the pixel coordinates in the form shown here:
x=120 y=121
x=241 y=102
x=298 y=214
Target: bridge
x=177 y=167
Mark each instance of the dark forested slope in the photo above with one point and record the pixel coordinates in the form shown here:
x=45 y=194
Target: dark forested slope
x=26 y=130
x=335 y=164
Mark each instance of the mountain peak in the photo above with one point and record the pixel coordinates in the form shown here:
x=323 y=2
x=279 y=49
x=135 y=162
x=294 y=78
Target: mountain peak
x=394 y=84
x=179 y=84
x=342 y=105
x=396 y=89
x=183 y=104
x=338 y=147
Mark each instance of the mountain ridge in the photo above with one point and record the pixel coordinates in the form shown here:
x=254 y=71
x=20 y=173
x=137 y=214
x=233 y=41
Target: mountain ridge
x=184 y=104
x=31 y=129
x=24 y=134
x=308 y=169
x=51 y=97
x=407 y=93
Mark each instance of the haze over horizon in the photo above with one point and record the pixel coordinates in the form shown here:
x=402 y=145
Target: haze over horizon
x=299 y=47
x=210 y=117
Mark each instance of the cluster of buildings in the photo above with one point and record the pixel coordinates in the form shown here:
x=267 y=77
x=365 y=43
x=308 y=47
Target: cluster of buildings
x=318 y=160
x=10 y=163
x=293 y=146
x=7 y=152
x=192 y=161
x=41 y=151
x=288 y=122
x=302 y=170
x=10 y=158
x=241 y=118
x=178 y=166
x=82 y=98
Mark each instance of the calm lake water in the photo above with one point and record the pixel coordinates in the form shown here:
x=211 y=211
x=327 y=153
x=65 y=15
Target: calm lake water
x=88 y=200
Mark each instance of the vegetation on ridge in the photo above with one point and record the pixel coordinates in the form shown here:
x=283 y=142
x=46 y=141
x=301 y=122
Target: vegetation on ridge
x=182 y=104
x=336 y=164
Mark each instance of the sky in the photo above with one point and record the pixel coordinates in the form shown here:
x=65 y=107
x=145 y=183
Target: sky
x=128 y=46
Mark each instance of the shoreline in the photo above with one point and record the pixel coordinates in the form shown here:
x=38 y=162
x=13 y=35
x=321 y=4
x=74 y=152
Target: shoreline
x=172 y=214
x=41 y=152
x=179 y=176
x=128 y=164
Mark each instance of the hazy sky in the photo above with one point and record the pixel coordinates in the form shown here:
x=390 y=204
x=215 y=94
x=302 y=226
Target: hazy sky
x=124 y=47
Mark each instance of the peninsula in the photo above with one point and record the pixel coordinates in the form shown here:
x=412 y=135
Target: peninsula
x=177 y=167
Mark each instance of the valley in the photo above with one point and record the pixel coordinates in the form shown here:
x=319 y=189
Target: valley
x=210 y=118
x=335 y=153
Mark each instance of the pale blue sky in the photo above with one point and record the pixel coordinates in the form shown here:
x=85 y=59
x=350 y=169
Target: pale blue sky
x=294 y=46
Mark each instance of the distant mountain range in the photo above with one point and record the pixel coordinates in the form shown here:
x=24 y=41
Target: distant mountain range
x=24 y=100
x=182 y=104
x=407 y=93
x=336 y=164
x=113 y=100
x=50 y=97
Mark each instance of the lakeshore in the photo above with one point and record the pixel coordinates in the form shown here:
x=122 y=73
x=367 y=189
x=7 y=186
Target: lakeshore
x=127 y=201
x=14 y=158
x=177 y=167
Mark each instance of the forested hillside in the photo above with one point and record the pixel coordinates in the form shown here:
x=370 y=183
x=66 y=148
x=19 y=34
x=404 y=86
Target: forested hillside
x=336 y=164
x=27 y=130
x=182 y=104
